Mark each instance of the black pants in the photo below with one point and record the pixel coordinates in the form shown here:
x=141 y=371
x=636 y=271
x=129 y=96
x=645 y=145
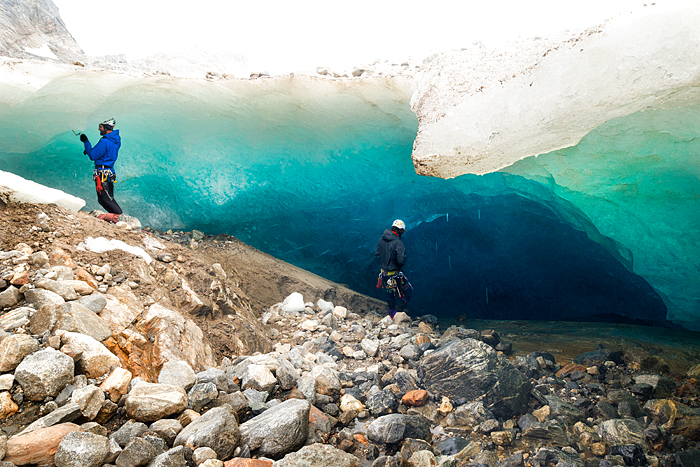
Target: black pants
x=105 y=193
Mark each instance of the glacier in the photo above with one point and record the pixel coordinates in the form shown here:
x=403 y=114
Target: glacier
x=312 y=170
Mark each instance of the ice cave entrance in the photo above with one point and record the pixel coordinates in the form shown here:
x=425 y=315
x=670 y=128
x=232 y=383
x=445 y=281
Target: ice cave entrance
x=312 y=173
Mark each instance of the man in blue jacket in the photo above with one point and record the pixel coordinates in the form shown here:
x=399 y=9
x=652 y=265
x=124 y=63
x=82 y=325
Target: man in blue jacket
x=105 y=154
x=392 y=256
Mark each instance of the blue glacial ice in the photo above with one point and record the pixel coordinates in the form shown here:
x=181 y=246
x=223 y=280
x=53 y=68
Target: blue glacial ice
x=313 y=170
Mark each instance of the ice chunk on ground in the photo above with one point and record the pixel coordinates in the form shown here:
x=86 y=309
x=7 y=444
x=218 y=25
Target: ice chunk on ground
x=16 y=189
x=101 y=244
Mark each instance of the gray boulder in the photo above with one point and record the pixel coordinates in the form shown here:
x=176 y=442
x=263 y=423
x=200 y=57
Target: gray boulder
x=622 y=431
x=472 y=370
x=167 y=428
x=177 y=373
x=319 y=455
x=44 y=373
x=14 y=348
x=260 y=378
x=472 y=414
x=214 y=376
x=149 y=402
x=216 y=429
x=391 y=429
x=58 y=287
x=287 y=375
x=382 y=403
x=90 y=399
x=175 y=457
x=327 y=382
x=75 y=317
x=279 y=430
x=95 y=302
x=569 y=413
x=200 y=395
x=10 y=297
x=36 y=298
x=137 y=452
x=80 y=449
x=129 y=430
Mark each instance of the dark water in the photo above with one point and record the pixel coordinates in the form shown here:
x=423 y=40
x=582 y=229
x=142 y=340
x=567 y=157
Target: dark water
x=680 y=349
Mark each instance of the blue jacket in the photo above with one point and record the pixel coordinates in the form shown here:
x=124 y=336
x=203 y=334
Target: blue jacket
x=106 y=150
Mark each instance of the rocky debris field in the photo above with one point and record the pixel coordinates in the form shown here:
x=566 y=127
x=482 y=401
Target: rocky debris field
x=104 y=361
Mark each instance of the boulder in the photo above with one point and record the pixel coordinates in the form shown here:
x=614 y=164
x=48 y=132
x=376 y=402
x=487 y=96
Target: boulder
x=472 y=370
x=96 y=360
x=78 y=449
x=200 y=395
x=319 y=455
x=287 y=376
x=44 y=373
x=7 y=405
x=38 y=447
x=215 y=376
x=15 y=318
x=216 y=429
x=382 y=403
x=415 y=398
x=137 y=452
x=80 y=287
x=327 y=381
x=36 y=298
x=68 y=413
x=676 y=417
x=279 y=430
x=90 y=400
x=167 y=428
x=10 y=297
x=622 y=431
x=58 y=287
x=116 y=384
x=149 y=402
x=14 y=348
x=258 y=377
x=75 y=317
x=391 y=429
x=177 y=373
x=370 y=346
x=95 y=302
x=175 y=457
x=126 y=432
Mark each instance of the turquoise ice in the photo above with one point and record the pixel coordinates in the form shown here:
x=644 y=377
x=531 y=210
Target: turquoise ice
x=313 y=170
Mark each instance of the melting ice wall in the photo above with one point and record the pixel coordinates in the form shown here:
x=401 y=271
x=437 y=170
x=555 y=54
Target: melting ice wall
x=312 y=170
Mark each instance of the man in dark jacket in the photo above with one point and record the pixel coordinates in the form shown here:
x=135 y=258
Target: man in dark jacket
x=105 y=154
x=392 y=256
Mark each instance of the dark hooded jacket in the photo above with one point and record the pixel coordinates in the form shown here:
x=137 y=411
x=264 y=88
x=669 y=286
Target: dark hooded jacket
x=391 y=252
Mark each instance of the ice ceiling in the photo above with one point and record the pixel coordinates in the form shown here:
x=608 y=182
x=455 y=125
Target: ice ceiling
x=313 y=170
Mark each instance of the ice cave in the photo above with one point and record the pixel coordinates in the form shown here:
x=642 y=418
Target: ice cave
x=312 y=170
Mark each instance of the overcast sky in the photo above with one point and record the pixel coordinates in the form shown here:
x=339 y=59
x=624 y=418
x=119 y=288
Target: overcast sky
x=293 y=35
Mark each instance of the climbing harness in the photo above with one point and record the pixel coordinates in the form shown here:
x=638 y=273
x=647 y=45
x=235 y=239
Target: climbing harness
x=395 y=282
x=101 y=176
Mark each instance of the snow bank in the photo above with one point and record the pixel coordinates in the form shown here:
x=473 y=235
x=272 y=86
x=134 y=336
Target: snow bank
x=101 y=244
x=16 y=189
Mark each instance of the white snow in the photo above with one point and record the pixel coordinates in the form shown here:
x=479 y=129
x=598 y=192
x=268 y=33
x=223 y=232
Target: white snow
x=43 y=51
x=481 y=109
x=16 y=189
x=101 y=244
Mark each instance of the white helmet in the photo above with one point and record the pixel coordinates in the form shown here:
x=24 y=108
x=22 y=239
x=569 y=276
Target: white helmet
x=399 y=224
x=111 y=122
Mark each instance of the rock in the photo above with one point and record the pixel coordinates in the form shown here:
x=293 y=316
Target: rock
x=550 y=432
x=327 y=381
x=370 y=346
x=149 y=402
x=75 y=317
x=340 y=312
x=177 y=373
x=79 y=449
x=175 y=457
x=203 y=454
x=319 y=426
x=96 y=360
x=40 y=259
x=601 y=354
x=401 y=318
x=382 y=403
x=410 y=352
x=95 y=302
x=622 y=431
x=67 y=413
x=567 y=412
x=244 y=462
x=390 y=429
x=415 y=398
x=258 y=377
x=38 y=447
x=80 y=287
x=58 y=287
x=451 y=446
x=422 y=459
x=200 y=395
x=116 y=384
x=214 y=376
x=14 y=319
x=287 y=375
x=675 y=417
x=10 y=297
x=137 y=452
x=128 y=431
x=472 y=414
x=7 y=405
x=278 y=430
x=167 y=428
x=90 y=400
x=502 y=438
x=36 y=298
x=319 y=455
x=469 y=369
x=44 y=373
x=14 y=348
x=349 y=403
x=663 y=386
x=294 y=303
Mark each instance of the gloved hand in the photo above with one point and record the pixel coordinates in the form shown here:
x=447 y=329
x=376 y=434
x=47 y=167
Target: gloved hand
x=83 y=137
